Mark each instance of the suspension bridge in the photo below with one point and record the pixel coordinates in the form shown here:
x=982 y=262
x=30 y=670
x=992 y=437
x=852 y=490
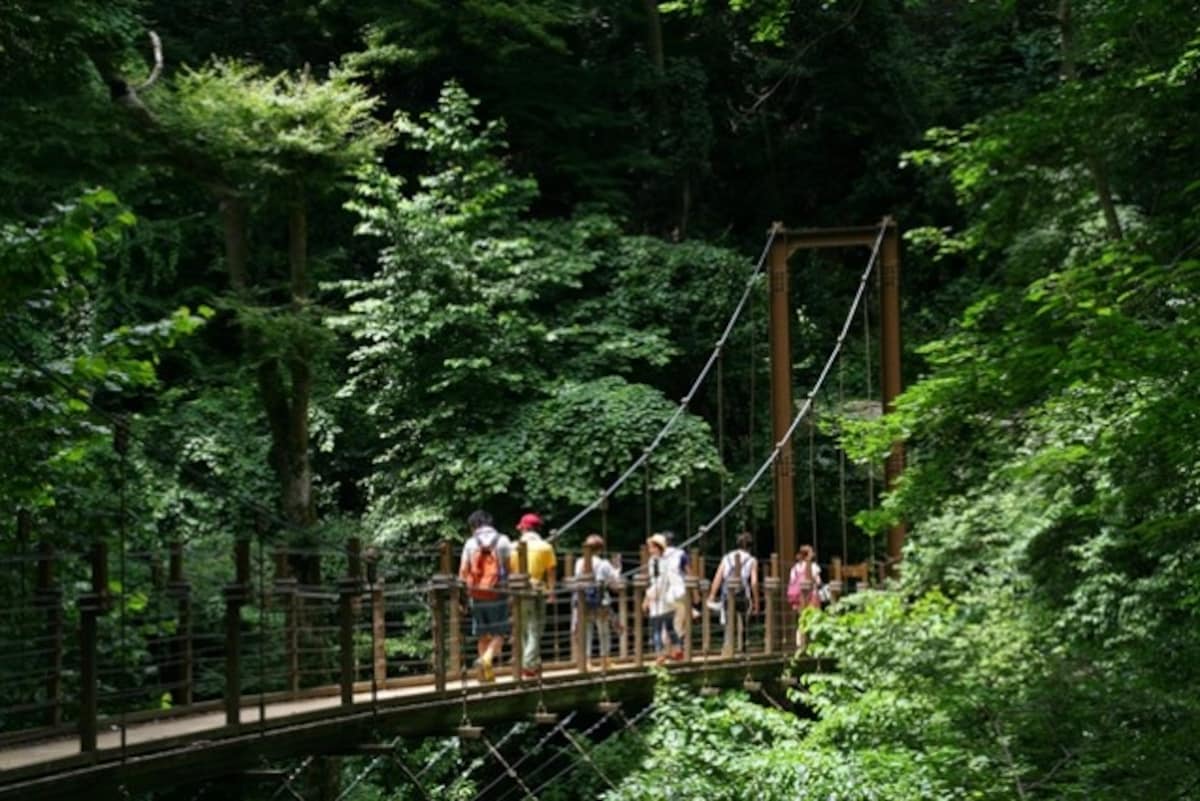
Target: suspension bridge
x=186 y=667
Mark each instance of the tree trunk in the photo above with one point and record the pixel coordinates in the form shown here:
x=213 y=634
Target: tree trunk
x=654 y=38
x=324 y=780
x=298 y=252
x=237 y=250
x=286 y=401
x=1095 y=166
x=654 y=48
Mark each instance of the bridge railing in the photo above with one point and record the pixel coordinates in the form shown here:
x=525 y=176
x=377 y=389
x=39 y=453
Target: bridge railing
x=83 y=653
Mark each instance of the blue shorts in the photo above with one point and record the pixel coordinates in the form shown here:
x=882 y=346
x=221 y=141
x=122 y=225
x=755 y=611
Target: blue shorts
x=489 y=617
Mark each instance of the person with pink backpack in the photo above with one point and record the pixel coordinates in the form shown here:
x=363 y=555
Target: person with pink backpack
x=804 y=588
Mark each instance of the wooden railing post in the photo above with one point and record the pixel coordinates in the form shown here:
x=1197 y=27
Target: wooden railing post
x=787 y=618
x=569 y=583
x=378 y=619
x=99 y=564
x=236 y=594
x=241 y=561
x=518 y=591
x=640 y=582
x=622 y=615
x=733 y=586
x=692 y=584
x=348 y=589
x=179 y=589
x=454 y=629
x=287 y=595
x=49 y=597
x=835 y=584
x=439 y=598
x=583 y=636
x=24 y=537
x=770 y=599
x=705 y=612
x=355 y=572
x=523 y=557
x=90 y=606
x=354 y=560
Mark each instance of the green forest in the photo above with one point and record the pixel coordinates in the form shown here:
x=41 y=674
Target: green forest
x=334 y=269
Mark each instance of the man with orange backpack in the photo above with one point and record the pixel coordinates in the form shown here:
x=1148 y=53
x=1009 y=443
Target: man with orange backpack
x=484 y=570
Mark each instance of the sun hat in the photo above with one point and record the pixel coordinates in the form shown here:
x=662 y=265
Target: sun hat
x=659 y=540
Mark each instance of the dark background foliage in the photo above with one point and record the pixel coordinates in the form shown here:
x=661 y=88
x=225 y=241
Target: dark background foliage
x=356 y=268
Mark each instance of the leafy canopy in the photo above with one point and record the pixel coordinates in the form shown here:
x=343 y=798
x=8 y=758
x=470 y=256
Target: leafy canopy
x=481 y=350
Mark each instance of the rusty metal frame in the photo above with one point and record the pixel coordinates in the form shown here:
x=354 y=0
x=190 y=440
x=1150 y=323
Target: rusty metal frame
x=786 y=243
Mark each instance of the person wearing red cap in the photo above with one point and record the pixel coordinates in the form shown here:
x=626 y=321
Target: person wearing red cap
x=540 y=566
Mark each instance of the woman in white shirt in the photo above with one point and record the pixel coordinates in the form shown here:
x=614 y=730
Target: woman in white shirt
x=664 y=590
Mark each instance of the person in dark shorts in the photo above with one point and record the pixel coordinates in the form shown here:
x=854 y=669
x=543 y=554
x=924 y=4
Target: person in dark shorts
x=484 y=570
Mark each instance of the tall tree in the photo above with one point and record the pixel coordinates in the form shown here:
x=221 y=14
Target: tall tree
x=277 y=140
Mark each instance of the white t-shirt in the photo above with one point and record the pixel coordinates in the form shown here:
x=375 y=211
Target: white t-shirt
x=487 y=537
x=677 y=560
x=602 y=570
x=603 y=574
x=748 y=563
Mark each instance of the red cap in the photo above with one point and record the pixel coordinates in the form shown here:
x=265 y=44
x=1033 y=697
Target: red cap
x=528 y=521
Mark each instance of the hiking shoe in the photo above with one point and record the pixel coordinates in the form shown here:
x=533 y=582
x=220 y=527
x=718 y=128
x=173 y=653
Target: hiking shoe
x=677 y=655
x=487 y=673
x=530 y=673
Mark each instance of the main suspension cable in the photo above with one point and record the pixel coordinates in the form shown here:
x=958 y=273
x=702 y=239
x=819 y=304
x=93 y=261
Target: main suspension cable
x=687 y=399
x=806 y=408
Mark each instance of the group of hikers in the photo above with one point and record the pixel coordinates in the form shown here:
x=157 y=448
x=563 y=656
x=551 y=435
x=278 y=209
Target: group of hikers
x=489 y=557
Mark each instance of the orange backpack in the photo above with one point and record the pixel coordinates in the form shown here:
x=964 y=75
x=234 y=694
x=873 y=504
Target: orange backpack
x=485 y=573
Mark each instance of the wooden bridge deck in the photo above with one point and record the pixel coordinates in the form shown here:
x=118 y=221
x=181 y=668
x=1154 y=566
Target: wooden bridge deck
x=178 y=749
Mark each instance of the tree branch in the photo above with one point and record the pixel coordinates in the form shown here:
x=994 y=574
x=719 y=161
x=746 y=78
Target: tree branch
x=1097 y=169
x=795 y=61
x=158 y=63
x=998 y=733
x=190 y=161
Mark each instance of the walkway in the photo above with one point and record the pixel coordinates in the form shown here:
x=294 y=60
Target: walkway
x=188 y=748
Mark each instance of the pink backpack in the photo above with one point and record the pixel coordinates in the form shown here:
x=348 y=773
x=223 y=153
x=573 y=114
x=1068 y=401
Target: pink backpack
x=795 y=594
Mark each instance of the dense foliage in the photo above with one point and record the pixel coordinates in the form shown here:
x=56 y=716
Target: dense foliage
x=359 y=267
